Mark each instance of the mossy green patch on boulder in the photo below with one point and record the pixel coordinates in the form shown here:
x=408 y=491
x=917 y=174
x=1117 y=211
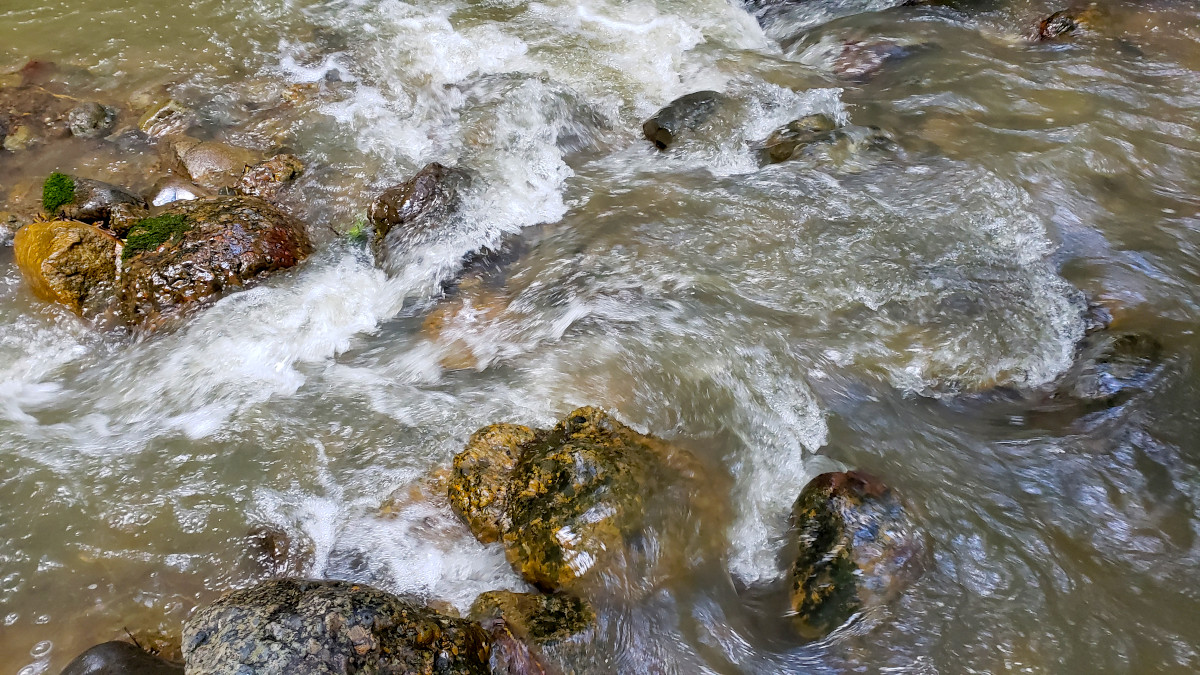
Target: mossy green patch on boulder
x=58 y=189
x=150 y=233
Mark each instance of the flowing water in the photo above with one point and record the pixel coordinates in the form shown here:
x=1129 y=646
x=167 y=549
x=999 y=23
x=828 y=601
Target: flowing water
x=853 y=309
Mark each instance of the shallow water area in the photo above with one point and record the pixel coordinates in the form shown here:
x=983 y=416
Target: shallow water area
x=908 y=307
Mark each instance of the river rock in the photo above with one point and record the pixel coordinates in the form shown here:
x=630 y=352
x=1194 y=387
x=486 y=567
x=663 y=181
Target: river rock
x=1110 y=368
x=165 y=118
x=415 y=207
x=291 y=626
x=92 y=201
x=211 y=164
x=267 y=178
x=535 y=618
x=89 y=119
x=681 y=115
x=69 y=262
x=855 y=547
x=562 y=501
x=33 y=115
x=860 y=61
x=194 y=251
x=120 y=658
x=782 y=142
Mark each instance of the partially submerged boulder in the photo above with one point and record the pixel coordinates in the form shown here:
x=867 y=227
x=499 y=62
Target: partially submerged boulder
x=120 y=658
x=1110 y=367
x=69 y=262
x=854 y=547
x=680 y=116
x=534 y=618
x=92 y=201
x=563 y=501
x=413 y=208
x=290 y=626
x=267 y=178
x=213 y=165
x=90 y=119
x=782 y=142
x=195 y=251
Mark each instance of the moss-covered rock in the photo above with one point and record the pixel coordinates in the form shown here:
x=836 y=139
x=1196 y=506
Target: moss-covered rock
x=195 y=251
x=681 y=115
x=291 y=626
x=565 y=500
x=415 y=208
x=92 y=201
x=69 y=262
x=854 y=547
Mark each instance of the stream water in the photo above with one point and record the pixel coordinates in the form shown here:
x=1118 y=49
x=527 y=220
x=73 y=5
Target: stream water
x=850 y=310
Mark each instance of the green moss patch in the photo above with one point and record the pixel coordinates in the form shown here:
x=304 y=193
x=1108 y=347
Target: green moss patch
x=150 y=233
x=58 y=189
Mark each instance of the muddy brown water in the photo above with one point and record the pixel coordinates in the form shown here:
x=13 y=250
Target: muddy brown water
x=874 y=309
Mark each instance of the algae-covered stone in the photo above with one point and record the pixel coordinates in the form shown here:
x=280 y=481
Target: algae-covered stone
x=418 y=206
x=683 y=114
x=92 y=201
x=535 y=618
x=120 y=658
x=69 y=262
x=194 y=251
x=855 y=547
x=291 y=626
x=563 y=500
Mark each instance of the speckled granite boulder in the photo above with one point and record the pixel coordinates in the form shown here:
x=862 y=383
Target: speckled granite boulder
x=292 y=626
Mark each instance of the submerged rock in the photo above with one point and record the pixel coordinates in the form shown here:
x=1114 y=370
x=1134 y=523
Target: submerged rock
x=211 y=164
x=92 y=201
x=273 y=552
x=69 y=262
x=681 y=115
x=535 y=618
x=1110 y=368
x=860 y=61
x=268 y=177
x=417 y=206
x=165 y=118
x=120 y=658
x=90 y=119
x=563 y=501
x=291 y=626
x=855 y=548
x=782 y=142
x=848 y=148
x=195 y=251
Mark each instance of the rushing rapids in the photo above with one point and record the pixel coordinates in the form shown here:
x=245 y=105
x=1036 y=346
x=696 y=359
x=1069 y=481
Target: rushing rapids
x=950 y=244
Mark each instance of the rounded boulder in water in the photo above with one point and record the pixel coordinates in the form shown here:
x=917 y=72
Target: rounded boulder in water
x=416 y=207
x=681 y=115
x=113 y=207
x=293 y=626
x=120 y=658
x=854 y=547
x=90 y=119
x=70 y=263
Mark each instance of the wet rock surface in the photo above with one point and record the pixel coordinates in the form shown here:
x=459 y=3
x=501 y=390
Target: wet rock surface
x=861 y=60
x=562 y=501
x=213 y=165
x=294 y=626
x=93 y=201
x=90 y=119
x=267 y=178
x=69 y=262
x=195 y=251
x=534 y=618
x=855 y=547
x=680 y=116
x=1111 y=367
x=419 y=205
x=120 y=658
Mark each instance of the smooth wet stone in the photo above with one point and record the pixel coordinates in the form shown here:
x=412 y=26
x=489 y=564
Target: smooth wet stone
x=563 y=501
x=680 y=116
x=419 y=205
x=292 y=626
x=104 y=204
x=211 y=164
x=854 y=547
x=782 y=142
x=120 y=658
x=90 y=119
x=70 y=263
x=177 y=190
x=267 y=178
x=199 y=250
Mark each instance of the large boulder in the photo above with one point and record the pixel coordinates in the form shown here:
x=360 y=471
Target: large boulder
x=854 y=547
x=69 y=262
x=92 y=201
x=412 y=209
x=682 y=115
x=291 y=626
x=196 y=250
x=120 y=658
x=564 y=501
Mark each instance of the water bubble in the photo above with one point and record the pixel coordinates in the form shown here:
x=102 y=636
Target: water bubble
x=10 y=619
x=42 y=619
x=41 y=649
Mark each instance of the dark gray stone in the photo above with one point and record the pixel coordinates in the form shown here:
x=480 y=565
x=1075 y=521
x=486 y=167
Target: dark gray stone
x=120 y=658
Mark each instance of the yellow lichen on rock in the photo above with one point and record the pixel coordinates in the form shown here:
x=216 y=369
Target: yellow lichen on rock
x=68 y=262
